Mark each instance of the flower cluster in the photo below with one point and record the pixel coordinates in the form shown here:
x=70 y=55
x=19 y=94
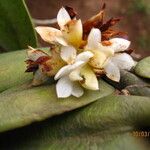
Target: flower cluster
x=80 y=53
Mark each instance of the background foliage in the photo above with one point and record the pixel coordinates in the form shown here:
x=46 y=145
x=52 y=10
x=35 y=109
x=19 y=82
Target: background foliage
x=16 y=29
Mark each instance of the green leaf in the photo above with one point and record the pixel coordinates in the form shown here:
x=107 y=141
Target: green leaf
x=134 y=84
x=106 y=124
x=143 y=68
x=12 y=69
x=21 y=107
x=141 y=90
x=16 y=29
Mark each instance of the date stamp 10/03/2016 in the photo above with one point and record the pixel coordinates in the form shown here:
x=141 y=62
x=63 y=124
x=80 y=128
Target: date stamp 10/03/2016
x=144 y=134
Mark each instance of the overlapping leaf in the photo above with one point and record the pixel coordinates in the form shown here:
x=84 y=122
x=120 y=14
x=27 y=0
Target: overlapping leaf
x=12 y=69
x=132 y=83
x=19 y=107
x=143 y=68
x=105 y=124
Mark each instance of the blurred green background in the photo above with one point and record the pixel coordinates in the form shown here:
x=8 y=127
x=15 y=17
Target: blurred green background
x=135 y=13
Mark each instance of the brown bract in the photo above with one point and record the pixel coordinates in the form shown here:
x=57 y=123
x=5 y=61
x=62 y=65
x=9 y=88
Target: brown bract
x=94 y=22
x=97 y=21
x=48 y=64
x=106 y=35
x=128 y=51
x=54 y=63
x=71 y=12
x=32 y=66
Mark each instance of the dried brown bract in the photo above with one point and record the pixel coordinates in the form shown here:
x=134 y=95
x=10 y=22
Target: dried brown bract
x=71 y=12
x=97 y=21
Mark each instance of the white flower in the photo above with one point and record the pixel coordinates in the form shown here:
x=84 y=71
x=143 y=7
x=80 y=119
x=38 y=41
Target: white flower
x=114 y=64
x=120 y=59
x=110 y=58
x=101 y=53
x=70 y=75
x=70 y=32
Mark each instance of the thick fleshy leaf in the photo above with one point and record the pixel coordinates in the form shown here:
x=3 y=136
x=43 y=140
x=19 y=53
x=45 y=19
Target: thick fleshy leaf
x=141 y=90
x=123 y=61
x=16 y=29
x=89 y=78
x=12 y=69
x=64 y=87
x=73 y=32
x=133 y=84
x=112 y=71
x=51 y=35
x=119 y=44
x=143 y=68
x=94 y=39
x=22 y=107
x=68 y=54
x=107 y=124
x=63 y=17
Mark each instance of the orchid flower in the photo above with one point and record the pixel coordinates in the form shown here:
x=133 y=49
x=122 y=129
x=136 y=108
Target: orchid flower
x=109 y=58
x=120 y=59
x=70 y=32
x=79 y=54
x=75 y=73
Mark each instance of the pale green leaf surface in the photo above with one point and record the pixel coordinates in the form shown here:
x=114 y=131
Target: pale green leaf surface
x=133 y=83
x=142 y=90
x=16 y=29
x=21 y=107
x=143 y=68
x=12 y=69
x=106 y=124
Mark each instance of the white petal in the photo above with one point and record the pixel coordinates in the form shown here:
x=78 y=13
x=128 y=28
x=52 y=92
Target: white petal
x=119 y=44
x=73 y=32
x=34 y=54
x=123 y=61
x=51 y=35
x=67 y=69
x=75 y=75
x=90 y=80
x=68 y=54
x=63 y=17
x=112 y=71
x=94 y=39
x=98 y=60
x=63 y=71
x=77 y=90
x=106 y=50
x=64 y=87
x=39 y=78
x=84 y=56
x=61 y=41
